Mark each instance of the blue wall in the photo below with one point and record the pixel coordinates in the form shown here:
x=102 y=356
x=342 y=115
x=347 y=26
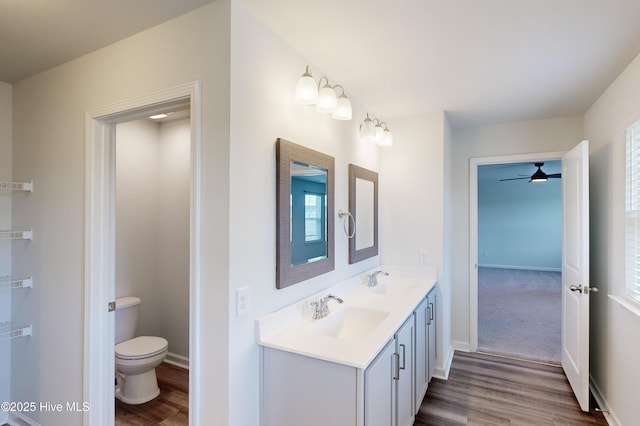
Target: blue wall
x=520 y=224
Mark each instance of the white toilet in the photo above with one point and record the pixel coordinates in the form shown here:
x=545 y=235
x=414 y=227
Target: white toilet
x=136 y=357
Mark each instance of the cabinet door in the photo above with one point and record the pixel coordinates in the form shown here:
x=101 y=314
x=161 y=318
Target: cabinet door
x=405 y=384
x=379 y=388
x=422 y=352
x=431 y=333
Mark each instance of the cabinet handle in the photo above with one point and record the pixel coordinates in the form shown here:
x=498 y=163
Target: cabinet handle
x=428 y=315
x=396 y=366
x=431 y=312
x=403 y=357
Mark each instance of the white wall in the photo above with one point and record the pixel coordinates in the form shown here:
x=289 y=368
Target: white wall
x=550 y=135
x=412 y=205
x=173 y=234
x=137 y=222
x=615 y=347
x=264 y=73
x=152 y=226
x=49 y=147
x=5 y=246
x=519 y=224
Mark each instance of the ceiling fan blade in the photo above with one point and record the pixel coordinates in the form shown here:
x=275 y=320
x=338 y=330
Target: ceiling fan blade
x=555 y=175
x=526 y=177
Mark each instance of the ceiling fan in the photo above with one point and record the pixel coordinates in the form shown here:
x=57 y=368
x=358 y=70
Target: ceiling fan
x=538 y=176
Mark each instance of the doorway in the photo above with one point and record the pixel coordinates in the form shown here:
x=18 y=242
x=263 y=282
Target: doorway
x=520 y=260
x=100 y=246
x=474 y=255
x=152 y=251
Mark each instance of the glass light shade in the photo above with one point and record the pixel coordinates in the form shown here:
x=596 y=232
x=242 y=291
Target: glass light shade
x=306 y=90
x=343 y=109
x=387 y=139
x=367 y=131
x=379 y=134
x=327 y=100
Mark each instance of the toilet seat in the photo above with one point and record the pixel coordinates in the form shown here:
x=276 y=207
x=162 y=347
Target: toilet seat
x=141 y=347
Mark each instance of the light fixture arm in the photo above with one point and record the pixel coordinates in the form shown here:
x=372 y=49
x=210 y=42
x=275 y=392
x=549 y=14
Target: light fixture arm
x=336 y=86
x=320 y=82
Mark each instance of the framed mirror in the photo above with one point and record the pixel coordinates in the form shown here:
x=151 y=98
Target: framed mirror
x=305 y=219
x=363 y=205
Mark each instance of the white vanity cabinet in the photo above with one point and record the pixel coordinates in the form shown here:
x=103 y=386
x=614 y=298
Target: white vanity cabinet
x=380 y=388
x=421 y=316
x=365 y=364
x=425 y=344
x=431 y=333
x=404 y=373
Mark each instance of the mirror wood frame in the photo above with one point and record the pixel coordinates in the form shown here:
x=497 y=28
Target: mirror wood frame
x=286 y=273
x=356 y=172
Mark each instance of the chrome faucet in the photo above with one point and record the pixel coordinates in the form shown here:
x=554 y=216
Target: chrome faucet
x=321 y=307
x=373 y=278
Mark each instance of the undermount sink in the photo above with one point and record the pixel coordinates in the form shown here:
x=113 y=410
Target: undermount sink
x=350 y=323
x=394 y=286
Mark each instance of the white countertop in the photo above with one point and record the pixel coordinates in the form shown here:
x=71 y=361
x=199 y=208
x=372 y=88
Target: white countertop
x=292 y=328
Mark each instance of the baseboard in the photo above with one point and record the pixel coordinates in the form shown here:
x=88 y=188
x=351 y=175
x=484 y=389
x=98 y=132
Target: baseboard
x=609 y=416
x=461 y=346
x=19 y=419
x=523 y=268
x=177 y=360
x=443 y=373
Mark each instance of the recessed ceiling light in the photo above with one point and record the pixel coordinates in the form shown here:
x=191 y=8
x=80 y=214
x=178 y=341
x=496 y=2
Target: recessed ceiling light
x=158 y=116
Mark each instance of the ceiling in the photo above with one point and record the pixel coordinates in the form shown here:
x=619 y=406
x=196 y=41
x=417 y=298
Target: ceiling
x=482 y=61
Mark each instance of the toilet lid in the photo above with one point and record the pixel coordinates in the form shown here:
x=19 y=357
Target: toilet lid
x=141 y=347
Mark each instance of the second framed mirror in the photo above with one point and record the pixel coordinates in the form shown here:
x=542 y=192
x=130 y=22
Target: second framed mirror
x=363 y=205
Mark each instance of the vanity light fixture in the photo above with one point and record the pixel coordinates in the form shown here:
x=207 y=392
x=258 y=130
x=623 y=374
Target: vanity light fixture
x=324 y=97
x=343 y=106
x=375 y=131
x=327 y=99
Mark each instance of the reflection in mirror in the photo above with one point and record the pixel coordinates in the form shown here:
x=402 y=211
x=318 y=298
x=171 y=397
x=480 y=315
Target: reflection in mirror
x=305 y=193
x=308 y=213
x=364 y=208
x=363 y=205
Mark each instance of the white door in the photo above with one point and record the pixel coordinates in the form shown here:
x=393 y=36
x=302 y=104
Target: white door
x=575 y=270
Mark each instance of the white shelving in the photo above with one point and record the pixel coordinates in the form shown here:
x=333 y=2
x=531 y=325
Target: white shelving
x=16 y=235
x=17 y=186
x=10 y=284
x=12 y=330
x=9 y=330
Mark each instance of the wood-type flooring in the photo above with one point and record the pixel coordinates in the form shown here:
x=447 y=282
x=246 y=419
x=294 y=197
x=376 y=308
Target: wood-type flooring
x=171 y=408
x=488 y=390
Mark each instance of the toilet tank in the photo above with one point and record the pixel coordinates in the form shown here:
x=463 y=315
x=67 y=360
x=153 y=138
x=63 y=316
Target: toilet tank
x=126 y=318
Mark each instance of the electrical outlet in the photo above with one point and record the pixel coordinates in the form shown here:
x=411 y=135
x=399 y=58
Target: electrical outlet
x=242 y=300
x=424 y=256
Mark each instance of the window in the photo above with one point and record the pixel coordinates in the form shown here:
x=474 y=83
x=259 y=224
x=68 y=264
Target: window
x=632 y=213
x=313 y=217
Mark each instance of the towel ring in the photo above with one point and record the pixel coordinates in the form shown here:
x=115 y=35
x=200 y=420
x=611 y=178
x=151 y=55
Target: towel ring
x=341 y=215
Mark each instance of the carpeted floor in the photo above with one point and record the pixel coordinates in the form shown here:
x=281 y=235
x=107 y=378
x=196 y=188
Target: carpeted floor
x=519 y=313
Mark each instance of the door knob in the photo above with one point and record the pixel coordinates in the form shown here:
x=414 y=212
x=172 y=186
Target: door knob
x=583 y=290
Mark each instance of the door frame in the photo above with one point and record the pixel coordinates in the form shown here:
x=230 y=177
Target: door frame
x=100 y=245
x=474 y=163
